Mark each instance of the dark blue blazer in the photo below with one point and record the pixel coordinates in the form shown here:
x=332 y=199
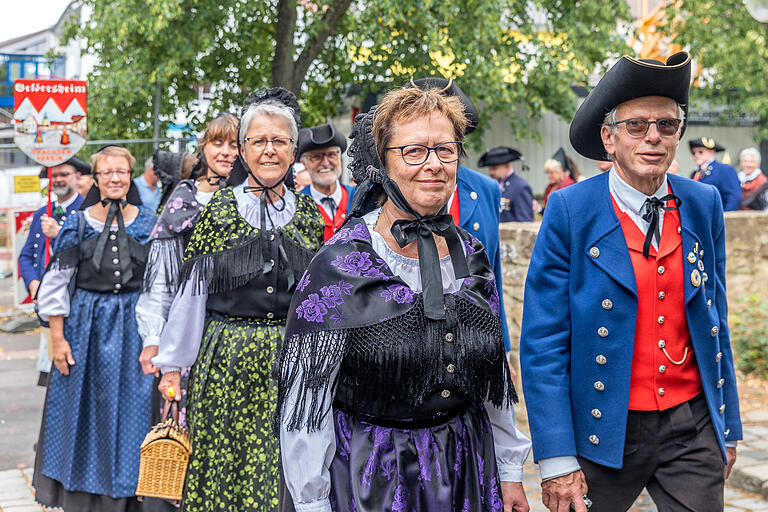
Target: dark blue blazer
x=516 y=200
x=32 y=255
x=581 y=258
x=350 y=191
x=726 y=180
x=479 y=199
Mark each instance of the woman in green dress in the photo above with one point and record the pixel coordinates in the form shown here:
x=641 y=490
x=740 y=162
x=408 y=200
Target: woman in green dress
x=247 y=252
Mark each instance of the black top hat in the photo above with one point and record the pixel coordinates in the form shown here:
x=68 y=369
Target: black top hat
x=318 y=137
x=628 y=79
x=80 y=166
x=706 y=142
x=499 y=155
x=450 y=88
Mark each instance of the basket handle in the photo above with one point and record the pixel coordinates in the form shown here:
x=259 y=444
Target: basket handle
x=172 y=407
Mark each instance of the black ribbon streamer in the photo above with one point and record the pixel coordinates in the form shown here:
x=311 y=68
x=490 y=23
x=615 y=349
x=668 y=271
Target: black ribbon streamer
x=123 y=246
x=328 y=201
x=421 y=229
x=650 y=212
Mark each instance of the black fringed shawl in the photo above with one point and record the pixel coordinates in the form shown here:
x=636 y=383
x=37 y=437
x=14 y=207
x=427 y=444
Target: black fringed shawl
x=350 y=310
x=225 y=253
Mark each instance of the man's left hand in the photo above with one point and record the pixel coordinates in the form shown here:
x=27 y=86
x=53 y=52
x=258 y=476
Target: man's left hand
x=730 y=452
x=49 y=226
x=513 y=495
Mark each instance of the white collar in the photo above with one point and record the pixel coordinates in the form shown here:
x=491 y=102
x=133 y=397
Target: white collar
x=65 y=204
x=751 y=176
x=707 y=163
x=319 y=196
x=630 y=199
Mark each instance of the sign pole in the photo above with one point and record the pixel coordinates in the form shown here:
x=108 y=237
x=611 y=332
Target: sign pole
x=49 y=213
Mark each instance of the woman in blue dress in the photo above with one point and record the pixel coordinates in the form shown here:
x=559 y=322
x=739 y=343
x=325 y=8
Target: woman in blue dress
x=98 y=405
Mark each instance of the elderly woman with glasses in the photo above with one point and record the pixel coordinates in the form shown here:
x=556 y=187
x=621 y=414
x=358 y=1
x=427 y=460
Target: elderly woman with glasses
x=241 y=265
x=394 y=391
x=97 y=410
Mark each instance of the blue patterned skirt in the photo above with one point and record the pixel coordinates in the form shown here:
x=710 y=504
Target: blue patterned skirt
x=450 y=467
x=96 y=418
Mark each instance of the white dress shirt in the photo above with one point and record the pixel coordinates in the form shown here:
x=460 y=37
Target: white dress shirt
x=319 y=196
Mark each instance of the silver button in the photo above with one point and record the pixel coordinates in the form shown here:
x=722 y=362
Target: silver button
x=602 y=332
x=270 y=315
x=701 y=253
x=115 y=261
x=449 y=337
x=607 y=304
x=445 y=393
x=714 y=331
x=679 y=230
x=450 y=368
x=113 y=237
x=601 y=360
x=37 y=235
x=118 y=286
x=473 y=194
x=594 y=252
x=34 y=265
x=661 y=391
x=701 y=265
x=720 y=383
x=35 y=246
x=704 y=277
x=661 y=269
x=661 y=320
x=599 y=386
x=597 y=414
x=709 y=303
x=476 y=226
x=270 y=289
x=662 y=343
x=113 y=248
x=718 y=357
x=271 y=237
x=117 y=273
x=727 y=432
x=271 y=261
x=722 y=409
x=593 y=439
x=662 y=295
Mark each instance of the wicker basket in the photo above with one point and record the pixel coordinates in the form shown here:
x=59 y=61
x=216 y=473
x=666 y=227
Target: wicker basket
x=164 y=458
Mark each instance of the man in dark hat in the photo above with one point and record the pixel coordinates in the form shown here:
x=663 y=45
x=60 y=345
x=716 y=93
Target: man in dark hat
x=625 y=353
x=721 y=176
x=319 y=149
x=516 y=202
x=32 y=260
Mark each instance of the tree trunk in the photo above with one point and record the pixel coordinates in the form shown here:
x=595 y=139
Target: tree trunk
x=282 y=64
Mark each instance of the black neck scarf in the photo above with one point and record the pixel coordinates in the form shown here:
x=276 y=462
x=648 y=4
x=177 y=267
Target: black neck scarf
x=216 y=179
x=123 y=247
x=421 y=229
x=330 y=203
x=650 y=212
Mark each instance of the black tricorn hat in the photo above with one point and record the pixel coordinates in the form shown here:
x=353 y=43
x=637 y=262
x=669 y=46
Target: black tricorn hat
x=499 y=155
x=706 y=142
x=80 y=166
x=561 y=158
x=450 y=88
x=628 y=79
x=318 y=137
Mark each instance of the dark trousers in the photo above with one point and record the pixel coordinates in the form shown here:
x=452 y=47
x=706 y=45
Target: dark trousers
x=673 y=453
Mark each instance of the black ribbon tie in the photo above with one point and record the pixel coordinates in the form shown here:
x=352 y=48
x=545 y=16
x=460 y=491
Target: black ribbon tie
x=650 y=212
x=123 y=246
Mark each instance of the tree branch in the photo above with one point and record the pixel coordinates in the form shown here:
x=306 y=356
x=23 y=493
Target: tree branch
x=282 y=63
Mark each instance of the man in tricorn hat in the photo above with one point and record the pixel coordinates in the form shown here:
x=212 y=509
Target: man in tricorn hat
x=719 y=175
x=625 y=353
x=319 y=149
x=32 y=260
x=516 y=194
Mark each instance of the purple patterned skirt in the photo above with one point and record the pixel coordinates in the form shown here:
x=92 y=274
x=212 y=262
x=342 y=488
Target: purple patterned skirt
x=450 y=467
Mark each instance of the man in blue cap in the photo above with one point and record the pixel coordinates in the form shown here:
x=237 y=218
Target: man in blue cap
x=516 y=203
x=710 y=171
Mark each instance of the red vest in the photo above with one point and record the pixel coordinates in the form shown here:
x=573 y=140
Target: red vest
x=341 y=213
x=454 y=212
x=661 y=329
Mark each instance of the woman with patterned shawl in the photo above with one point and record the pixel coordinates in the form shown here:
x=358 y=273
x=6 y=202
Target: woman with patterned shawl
x=97 y=409
x=394 y=391
x=183 y=206
x=245 y=257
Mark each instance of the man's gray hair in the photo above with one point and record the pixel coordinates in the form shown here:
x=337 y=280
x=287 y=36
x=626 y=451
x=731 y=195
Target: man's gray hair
x=753 y=152
x=270 y=108
x=610 y=117
x=149 y=164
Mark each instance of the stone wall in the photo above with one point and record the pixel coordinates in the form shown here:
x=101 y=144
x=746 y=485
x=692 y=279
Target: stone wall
x=746 y=262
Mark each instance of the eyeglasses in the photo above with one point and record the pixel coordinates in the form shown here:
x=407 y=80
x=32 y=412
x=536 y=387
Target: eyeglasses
x=120 y=173
x=417 y=154
x=260 y=143
x=316 y=158
x=639 y=127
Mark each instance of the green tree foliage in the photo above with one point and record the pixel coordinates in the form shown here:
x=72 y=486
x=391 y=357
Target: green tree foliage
x=518 y=58
x=731 y=49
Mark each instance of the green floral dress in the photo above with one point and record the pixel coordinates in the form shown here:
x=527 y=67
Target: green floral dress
x=235 y=463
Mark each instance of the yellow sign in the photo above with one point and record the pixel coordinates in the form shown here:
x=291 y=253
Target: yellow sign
x=23 y=184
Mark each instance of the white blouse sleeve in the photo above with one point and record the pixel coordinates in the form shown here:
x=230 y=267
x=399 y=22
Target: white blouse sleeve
x=307 y=455
x=512 y=447
x=53 y=295
x=152 y=309
x=181 y=336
